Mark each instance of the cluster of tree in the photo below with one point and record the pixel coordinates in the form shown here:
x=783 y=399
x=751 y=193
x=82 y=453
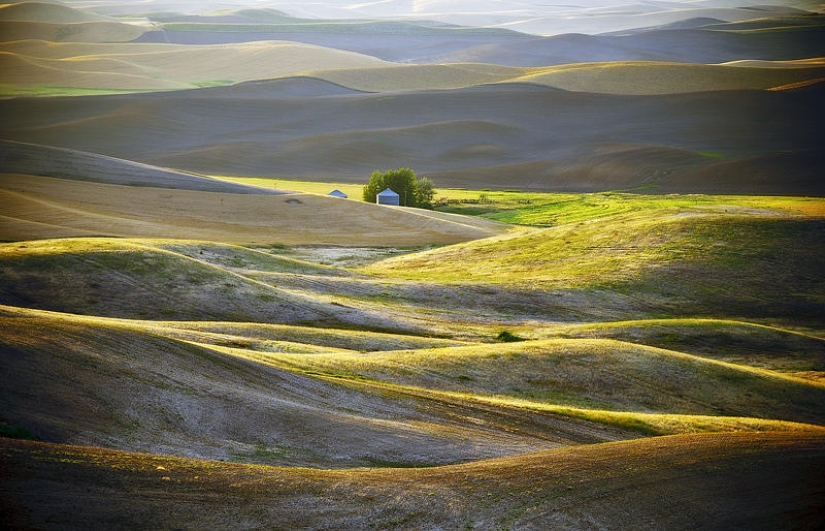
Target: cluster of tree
x=412 y=191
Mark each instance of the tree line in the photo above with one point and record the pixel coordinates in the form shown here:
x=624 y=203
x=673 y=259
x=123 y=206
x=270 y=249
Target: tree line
x=412 y=190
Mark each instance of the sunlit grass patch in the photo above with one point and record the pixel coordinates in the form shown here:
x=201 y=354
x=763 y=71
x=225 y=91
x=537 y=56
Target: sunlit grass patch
x=595 y=374
x=699 y=261
x=353 y=191
x=665 y=424
x=740 y=342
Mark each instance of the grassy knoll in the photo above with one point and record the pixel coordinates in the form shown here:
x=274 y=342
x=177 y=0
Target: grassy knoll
x=672 y=261
x=147 y=386
x=121 y=278
x=779 y=349
x=43 y=207
x=594 y=373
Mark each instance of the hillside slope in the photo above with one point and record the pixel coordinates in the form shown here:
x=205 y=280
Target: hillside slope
x=31 y=159
x=751 y=265
x=55 y=21
x=497 y=136
x=126 y=385
x=139 y=67
x=707 y=481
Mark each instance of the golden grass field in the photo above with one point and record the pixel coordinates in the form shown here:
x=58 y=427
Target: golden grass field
x=612 y=319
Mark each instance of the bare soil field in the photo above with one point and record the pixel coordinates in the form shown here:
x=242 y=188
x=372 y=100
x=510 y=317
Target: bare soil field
x=497 y=136
x=36 y=206
x=709 y=481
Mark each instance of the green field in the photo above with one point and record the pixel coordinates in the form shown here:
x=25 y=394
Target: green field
x=543 y=209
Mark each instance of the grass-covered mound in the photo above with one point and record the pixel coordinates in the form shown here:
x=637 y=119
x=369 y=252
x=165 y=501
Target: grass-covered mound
x=721 y=261
x=45 y=207
x=724 y=340
x=592 y=373
x=174 y=389
x=117 y=278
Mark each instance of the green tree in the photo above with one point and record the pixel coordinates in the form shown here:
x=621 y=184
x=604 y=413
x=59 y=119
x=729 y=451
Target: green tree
x=424 y=193
x=403 y=181
x=374 y=187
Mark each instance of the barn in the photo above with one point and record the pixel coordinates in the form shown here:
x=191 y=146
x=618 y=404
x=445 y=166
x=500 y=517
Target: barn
x=388 y=197
x=337 y=193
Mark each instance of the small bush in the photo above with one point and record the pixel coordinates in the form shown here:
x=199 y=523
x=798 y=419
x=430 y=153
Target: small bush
x=507 y=337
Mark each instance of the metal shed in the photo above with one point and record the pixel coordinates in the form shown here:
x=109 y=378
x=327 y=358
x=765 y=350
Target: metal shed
x=388 y=197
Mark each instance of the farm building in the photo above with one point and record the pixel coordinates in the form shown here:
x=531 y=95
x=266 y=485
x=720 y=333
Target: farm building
x=337 y=193
x=388 y=197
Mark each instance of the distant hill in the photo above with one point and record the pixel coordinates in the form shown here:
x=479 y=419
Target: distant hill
x=51 y=192
x=31 y=159
x=47 y=12
x=57 y=22
x=504 y=136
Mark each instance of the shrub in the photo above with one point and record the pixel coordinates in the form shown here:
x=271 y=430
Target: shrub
x=507 y=337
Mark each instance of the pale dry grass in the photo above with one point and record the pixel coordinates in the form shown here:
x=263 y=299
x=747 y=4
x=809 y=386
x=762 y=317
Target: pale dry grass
x=86 y=32
x=129 y=66
x=34 y=207
x=668 y=78
x=29 y=64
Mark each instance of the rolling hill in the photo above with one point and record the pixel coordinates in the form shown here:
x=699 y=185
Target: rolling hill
x=711 y=481
x=132 y=67
x=48 y=12
x=747 y=263
x=54 y=21
x=584 y=333
x=495 y=108
x=175 y=397
x=502 y=136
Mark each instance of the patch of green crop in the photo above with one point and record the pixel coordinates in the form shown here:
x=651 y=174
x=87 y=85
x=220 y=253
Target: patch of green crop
x=10 y=89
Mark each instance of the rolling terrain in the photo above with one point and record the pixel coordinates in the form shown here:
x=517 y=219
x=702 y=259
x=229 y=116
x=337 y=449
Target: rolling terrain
x=250 y=354
x=721 y=104
x=614 y=318
x=642 y=484
x=510 y=136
